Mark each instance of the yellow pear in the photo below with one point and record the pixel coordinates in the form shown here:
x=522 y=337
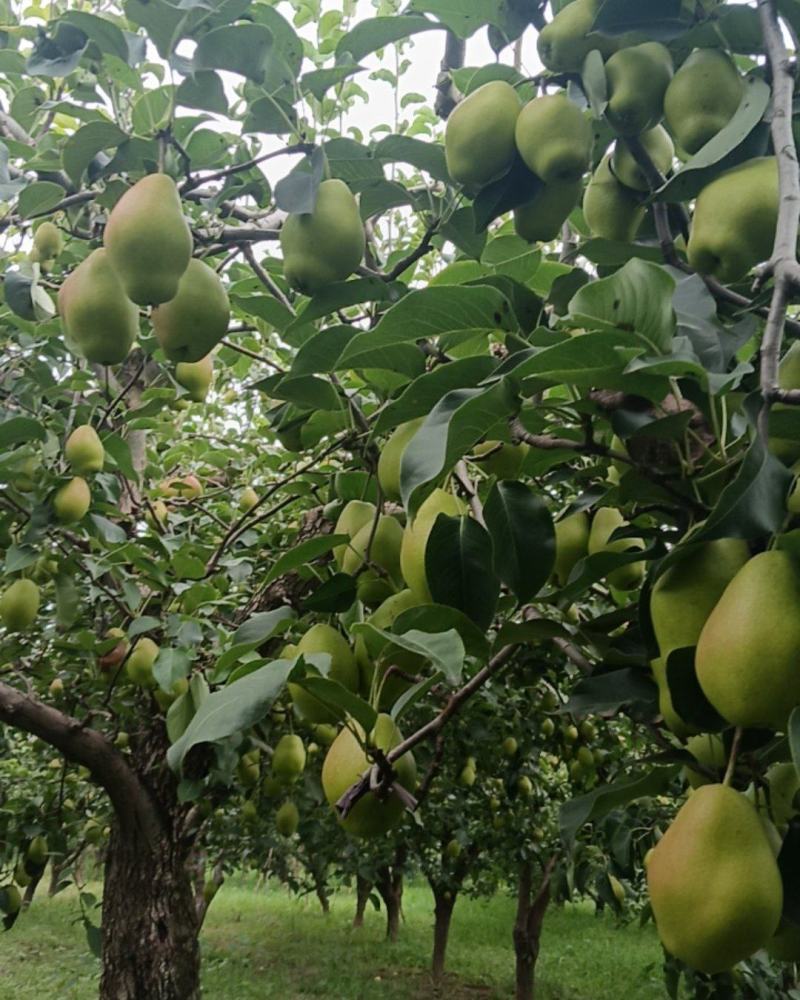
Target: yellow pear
x=659 y=147
x=604 y=523
x=554 y=138
x=355 y=515
x=19 y=605
x=748 y=652
x=84 y=451
x=734 y=221
x=72 y=500
x=565 y=42
x=196 y=318
x=415 y=540
x=289 y=758
x=186 y=487
x=323 y=638
x=502 y=460
x=195 y=376
x=637 y=79
x=707 y=749
x=344 y=764
x=370 y=649
x=287 y=819
x=47 y=242
x=392 y=454
x=100 y=323
x=385 y=550
x=248 y=498
x=714 y=885
x=787 y=449
x=572 y=544
x=139 y=665
x=702 y=98
x=612 y=211
x=148 y=240
x=325 y=245
x=540 y=219
x=479 y=138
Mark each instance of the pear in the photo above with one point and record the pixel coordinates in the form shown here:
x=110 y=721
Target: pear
x=248 y=770
x=748 y=651
x=540 y=219
x=19 y=605
x=385 y=551
x=709 y=750
x=100 y=323
x=324 y=639
x=289 y=758
x=786 y=449
x=572 y=544
x=502 y=460
x=734 y=222
x=657 y=144
x=344 y=764
x=479 y=138
x=355 y=515
x=373 y=588
x=612 y=211
x=702 y=98
x=415 y=540
x=325 y=245
x=10 y=899
x=565 y=42
x=47 y=242
x=391 y=455
x=714 y=884
x=637 y=79
x=72 y=500
x=554 y=138
x=186 y=487
x=248 y=498
x=84 y=451
x=149 y=242
x=370 y=648
x=604 y=524
x=195 y=377
x=139 y=665
x=108 y=661
x=287 y=819
x=196 y=318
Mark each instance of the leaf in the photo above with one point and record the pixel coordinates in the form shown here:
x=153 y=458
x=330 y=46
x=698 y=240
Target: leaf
x=17 y=291
x=523 y=537
x=171 y=665
x=39 y=198
x=203 y=90
x=100 y=30
x=237 y=48
x=593 y=79
x=444 y=650
x=662 y=20
x=598 y=566
x=459 y=568
x=58 y=55
x=514 y=188
x=111 y=533
x=161 y=21
x=427 y=156
x=337 y=697
x=82 y=146
x=153 y=110
x=318 y=81
x=688 y=698
x=258 y=628
x=339 y=295
x=334 y=596
x=306 y=551
x=297 y=192
x=16 y=430
x=374 y=33
x=440 y=618
x=463 y=17
x=609 y=692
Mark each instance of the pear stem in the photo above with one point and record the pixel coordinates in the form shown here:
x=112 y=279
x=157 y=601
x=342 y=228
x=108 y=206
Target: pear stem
x=737 y=739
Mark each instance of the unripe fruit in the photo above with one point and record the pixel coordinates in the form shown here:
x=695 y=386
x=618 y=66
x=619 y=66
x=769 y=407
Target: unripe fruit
x=112 y=659
x=72 y=501
x=547 y=728
x=525 y=786
x=92 y=832
x=19 y=605
x=287 y=819
x=289 y=758
x=47 y=242
x=452 y=849
x=10 y=899
x=56 y=688
x=509 y=746
x=84 y=451
x=139 y=665
x=195 y=377
x=248 y=769
x=37 y=851
x=248 y=498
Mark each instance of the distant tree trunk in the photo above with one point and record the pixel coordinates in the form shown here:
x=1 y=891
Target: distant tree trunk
x=389 y=884
x=321 y=890
x=30 y=890
x=444 y=900
x=363 y=889
x=531 y=910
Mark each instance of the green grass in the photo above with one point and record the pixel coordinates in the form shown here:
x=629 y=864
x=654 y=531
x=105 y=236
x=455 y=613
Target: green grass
x=269 y=946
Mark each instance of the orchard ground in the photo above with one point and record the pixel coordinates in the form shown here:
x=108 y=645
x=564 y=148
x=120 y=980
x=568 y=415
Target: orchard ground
x=268 y=945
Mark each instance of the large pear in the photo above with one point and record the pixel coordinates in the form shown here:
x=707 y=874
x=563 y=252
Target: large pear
x=659 y=147
x=787 y=449
x=735 y=216
x=370 y=648
x=392 y=454
x=196 y=377
x=149 y=241
x=415 y=540
x=540 y=219
x=325 y=245
x=565 y=42
x=572 y=544
x=714 y=884
x=195 y=320
x=702 y=98
x=479 y=138
x=612 y=211
x=748 y=654
x=554 y=138
x=19 y=605
x=84 y=451
x=323 y=638
x=384 y=552
x=604 y=523
x=100 y=322
x=637 y=79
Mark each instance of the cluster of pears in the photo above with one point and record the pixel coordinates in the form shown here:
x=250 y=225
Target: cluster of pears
x=85 y=456
x=146 y=260
x=579 y=536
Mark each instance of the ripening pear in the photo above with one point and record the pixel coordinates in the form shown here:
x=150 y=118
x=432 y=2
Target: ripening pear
x=323 y=638
x=10 y=899
x=415 y=540
x=659 y=147
x=612 y=211
x=787 y=449
x=38 y=851
x=100 y=323
x=84 y=451
x=604 y=523
x=157 y=514
x=748 y=652
x=191 y=324
x=502 y=460
x=47 y=242
x=196 y=377
x=565 y=42
x=287 y=819
x=355 y=515
x=554 y=138
x=385 y=550
x=637 y=79
x=139 y=665
x=540 y=219
x=149 y=242
x=186 y=487
x=344 y=764
x=19 y=605
x=391 y=456
x=248 y=498
x=72 y=500
x=325 y=245
x=289 y=758
x=372 y=648
x=734 y=221
x=707 y=749
x=479 y=138
x=702 y=98
x=572 y=544
x=714 y=884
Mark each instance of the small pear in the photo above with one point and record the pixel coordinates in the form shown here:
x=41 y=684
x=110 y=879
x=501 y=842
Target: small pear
x=604 y=524
x=323 y=638
x=540 y=219
x=196 y=318
x=369 y=649
x=355 y=515
x=72 y=500
x=415 y=540
x=479 y=138
x=148 y=241
x=637 y=79
x=287 y=819
x=709 y=750
x=572 y=544
x=196 y=377
x=248 y=498
x=47 y=242
x=289 y=758
x=139 y=665
x=19 y=605
x=186 y=487
x=554 y=138
x=84 y=451
x=565 y=42
x=659 y=147
x=702 y=98
x=391 y=455
x=612 y=211
x=502 y=460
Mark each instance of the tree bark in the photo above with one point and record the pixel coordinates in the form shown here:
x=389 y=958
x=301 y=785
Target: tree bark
x=30 y=890
x=527 y=935
x=363 y=889
x=390 y=886
x=444 y=903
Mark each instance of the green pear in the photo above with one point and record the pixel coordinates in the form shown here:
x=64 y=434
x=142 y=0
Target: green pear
x=479 y=138
x=289 y=758
x=344 y=764
x=323 y=638
x=787 y=449
x=709 y=750
x=415 y=540
x=72 y=500
x=195 y=376
x=735 y=216
x=554 y=138
x=748 y=651
x=612 y=211
x=325 y=245
x=191 y=324
x=19 y=605
x=47 y=242
x=502 y=460
x=287 y=819
x=38 y=851
x=100 y=323
x=385 y=550
x=248 y=770
x=657 y=144
x=714 y=884
x=166 y=698
x=565 y=42
x=373 y=588
x=604 y=523
x=248 y=498
x=139 y=665
x=637 y=79
x=369 y=649
x=702 y=98
x=392 y=454
x=10 y=899
x=540 y=219
x=149 y=241
x=572 y=544
x=355 y=515
x=84 y=451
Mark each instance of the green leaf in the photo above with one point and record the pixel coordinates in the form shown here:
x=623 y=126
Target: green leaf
x=297 y=192
x=662 y=20
x=258 y=628
x=57 y=55
x=337 y=697
x=441 y=618
x=39 y=198
x=162 y=22
x=111 y=533
x=16 y=430
x=341 y=294
x=334 y=596
x=614 y=690
x=237 y=48
x=688 y=698
x=375 y=32
x=426 y=156
x=444 y=650
x=303 y=553
x=205 y=91
x=463 y=17
x=171 y=665
x=318 y=81
x=100 y=30
x=153 y=110
x=514 y=188
x=523 y=537
x=459 y=568
x=593 y=79
x=82 y=146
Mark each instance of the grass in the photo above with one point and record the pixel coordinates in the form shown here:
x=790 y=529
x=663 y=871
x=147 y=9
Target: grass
x=267 y=945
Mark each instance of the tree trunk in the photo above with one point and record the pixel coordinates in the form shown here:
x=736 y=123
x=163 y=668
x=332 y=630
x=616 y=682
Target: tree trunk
x=321 y=890
x=30 y=890
x=528 y=926
x=390 y=887
x=444 y=903
x=363 y=889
